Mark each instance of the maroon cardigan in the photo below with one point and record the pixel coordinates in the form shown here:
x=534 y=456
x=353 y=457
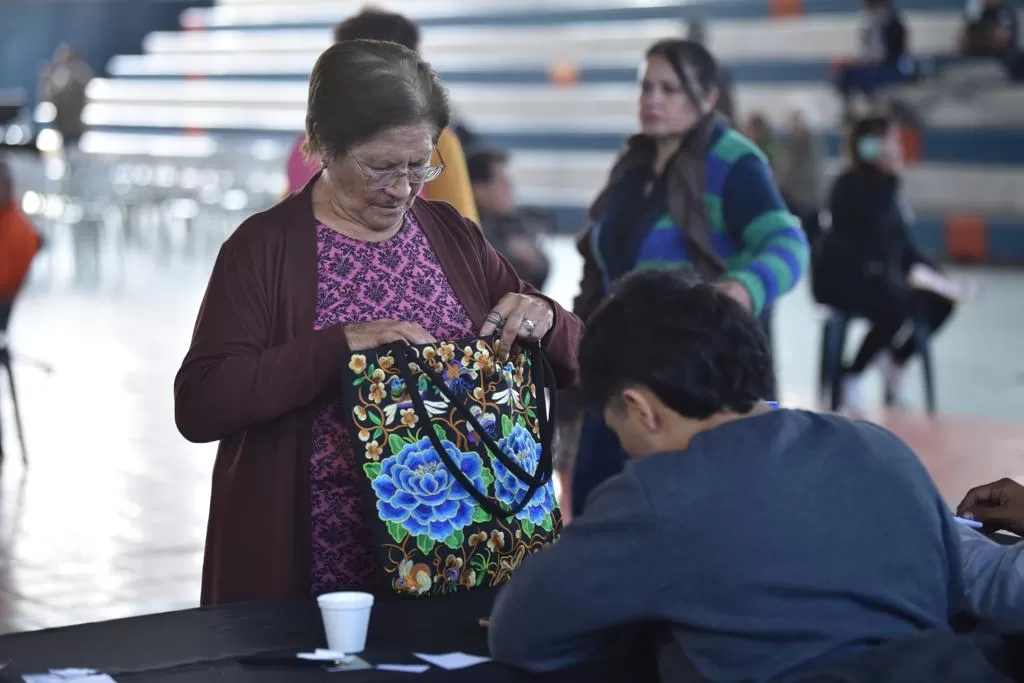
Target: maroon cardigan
x=256 y=372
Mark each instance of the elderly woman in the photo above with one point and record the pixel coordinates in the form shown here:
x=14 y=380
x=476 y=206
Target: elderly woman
x=353 y=261
x=687 y=192
x=453 y=185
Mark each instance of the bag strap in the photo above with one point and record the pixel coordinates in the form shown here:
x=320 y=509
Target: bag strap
x=545 y=466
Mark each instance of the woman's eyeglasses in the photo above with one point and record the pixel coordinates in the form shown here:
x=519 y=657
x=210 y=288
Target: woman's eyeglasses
x=377 y=179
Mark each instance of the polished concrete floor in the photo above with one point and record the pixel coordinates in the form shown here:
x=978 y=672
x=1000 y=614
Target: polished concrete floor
x=108 y=519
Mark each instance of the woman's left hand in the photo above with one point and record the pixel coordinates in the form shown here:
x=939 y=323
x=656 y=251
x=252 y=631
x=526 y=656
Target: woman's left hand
x=518 y=316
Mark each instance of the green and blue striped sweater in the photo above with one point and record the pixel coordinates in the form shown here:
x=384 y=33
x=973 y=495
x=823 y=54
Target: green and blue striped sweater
x=758 y=239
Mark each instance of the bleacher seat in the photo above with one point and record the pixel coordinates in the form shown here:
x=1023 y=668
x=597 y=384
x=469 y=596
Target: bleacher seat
x=234 y=84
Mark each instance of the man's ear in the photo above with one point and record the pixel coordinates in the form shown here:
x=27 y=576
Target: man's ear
x=642 y=408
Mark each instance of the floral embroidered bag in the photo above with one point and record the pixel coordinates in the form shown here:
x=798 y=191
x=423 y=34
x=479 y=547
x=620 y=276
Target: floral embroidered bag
x=456 y=473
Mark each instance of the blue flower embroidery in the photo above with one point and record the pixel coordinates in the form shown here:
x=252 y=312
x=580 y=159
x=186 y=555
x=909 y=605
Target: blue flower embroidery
x=416 y=490
x=522 y=446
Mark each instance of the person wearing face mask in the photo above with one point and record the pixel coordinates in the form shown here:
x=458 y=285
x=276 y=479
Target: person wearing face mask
x=691 y=193
x=353 y=261
x=866 y=259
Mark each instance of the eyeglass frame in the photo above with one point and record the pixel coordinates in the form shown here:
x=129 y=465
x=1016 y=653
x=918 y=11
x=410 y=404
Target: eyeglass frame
x=368 y=173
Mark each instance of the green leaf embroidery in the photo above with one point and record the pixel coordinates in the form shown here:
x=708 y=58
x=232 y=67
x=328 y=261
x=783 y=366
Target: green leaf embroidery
x=480 y=515
x=372 y=470
x=548 y=524
x=487 y=477
x=396 y=443
x=506 y=425
x=527 y=398
x=520 y=421
x=528 y=527
x=377 y=433
x=374 y=418
x=359 y=381
x=480 y=577
x=456 y=540
x=424 y=544
x=397 y=531
x=441 y=434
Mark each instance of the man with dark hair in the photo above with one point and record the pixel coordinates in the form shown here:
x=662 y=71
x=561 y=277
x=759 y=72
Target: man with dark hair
x=508 y=230
x=759 y=540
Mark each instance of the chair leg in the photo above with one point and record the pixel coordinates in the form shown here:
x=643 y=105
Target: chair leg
x=836 y=369
x=17 y=411
x=922 y=334
x=824 y=380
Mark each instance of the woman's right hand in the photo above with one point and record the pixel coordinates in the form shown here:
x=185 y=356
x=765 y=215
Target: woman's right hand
x=367 y=336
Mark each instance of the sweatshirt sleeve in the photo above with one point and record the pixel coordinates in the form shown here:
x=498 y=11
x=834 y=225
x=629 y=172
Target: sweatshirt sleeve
x=752 y=207
x=558 y=606
x=994 y=580
x=231 y=378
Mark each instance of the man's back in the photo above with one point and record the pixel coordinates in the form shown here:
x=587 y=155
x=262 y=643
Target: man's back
x=770 y=543
x=795 y=536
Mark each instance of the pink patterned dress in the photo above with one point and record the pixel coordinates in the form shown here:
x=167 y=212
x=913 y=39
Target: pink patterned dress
x=360 y=282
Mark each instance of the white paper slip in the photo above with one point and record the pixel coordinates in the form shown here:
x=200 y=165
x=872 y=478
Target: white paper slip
x=322 y=655
x=60 y=677
x=452 y=660
x=404 y=668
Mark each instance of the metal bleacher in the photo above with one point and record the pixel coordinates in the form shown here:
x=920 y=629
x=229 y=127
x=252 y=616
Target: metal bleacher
x=553 y=81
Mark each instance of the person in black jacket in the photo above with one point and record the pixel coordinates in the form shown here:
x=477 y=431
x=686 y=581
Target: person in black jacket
x=864 y=260
x=883 y=58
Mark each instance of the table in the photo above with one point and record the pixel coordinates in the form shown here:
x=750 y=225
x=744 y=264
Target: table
x=205 y=644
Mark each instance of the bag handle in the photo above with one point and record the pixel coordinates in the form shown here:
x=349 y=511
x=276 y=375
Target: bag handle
x=545 y=466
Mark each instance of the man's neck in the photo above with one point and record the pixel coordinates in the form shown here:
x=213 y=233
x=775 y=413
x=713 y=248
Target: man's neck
x=687 y=429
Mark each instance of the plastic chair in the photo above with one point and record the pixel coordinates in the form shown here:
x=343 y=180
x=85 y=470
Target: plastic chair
x=830 y=373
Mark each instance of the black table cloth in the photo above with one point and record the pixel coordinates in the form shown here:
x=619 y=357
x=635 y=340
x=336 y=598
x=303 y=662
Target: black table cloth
x=206 y=644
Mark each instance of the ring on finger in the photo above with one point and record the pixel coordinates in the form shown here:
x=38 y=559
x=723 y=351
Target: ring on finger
x=495 y=318
x=529 y=326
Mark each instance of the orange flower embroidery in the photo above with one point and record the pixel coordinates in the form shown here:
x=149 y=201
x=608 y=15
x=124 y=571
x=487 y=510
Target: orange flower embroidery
x=409 y=418
x=373 y=450
x=357 y=364
x=364 y=435
x=377 y=392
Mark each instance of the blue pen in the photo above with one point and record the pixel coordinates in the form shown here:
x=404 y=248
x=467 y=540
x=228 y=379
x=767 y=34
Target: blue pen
x=973 y=523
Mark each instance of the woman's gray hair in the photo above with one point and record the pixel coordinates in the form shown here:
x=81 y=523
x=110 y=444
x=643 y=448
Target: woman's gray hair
x=360 y=88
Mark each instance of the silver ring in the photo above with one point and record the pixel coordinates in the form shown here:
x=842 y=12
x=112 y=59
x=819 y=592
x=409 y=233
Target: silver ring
x=529 y=326
x=495 y=318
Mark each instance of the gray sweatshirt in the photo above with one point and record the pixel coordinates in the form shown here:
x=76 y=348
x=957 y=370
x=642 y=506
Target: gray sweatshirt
x=769 y=543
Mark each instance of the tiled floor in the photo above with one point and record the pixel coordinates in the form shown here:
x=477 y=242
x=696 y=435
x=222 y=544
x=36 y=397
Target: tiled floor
x=109 y=518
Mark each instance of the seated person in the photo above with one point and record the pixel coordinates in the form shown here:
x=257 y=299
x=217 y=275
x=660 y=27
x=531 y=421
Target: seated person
x=991 y=30
x=509 y=232
x=994 y=573
x=865 y=262
x=883 y=58
x=19 y=241
x=761 y=540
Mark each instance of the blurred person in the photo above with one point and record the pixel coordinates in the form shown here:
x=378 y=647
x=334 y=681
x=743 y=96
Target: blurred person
x=690 y=193
x=884 y=54
x=353 y=261
x=761 y=542
x=759 y=131
x=991 y=29
x=63 y=83
x=995 y=572
x=19 y=241
x=509 y=232
x=866 y=259
x=802 y=161
x=453 y=184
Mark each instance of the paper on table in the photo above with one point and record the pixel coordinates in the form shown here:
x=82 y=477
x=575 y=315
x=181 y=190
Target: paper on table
x=57 y=676
x=452 y=660
x=404 y=668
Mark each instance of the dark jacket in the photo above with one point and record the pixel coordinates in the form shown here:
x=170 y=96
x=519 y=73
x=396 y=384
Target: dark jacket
x=869 y=249
x=256 y=372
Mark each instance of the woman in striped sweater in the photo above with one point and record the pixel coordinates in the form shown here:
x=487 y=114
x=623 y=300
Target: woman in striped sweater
x=687 y=192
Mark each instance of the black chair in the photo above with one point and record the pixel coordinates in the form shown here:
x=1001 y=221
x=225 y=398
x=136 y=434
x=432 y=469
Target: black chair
x=833 y=342
x=5 y=364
